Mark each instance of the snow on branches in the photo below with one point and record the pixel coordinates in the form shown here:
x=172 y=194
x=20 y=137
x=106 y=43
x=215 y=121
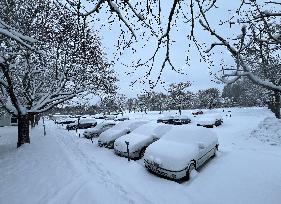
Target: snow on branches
x=66 y=60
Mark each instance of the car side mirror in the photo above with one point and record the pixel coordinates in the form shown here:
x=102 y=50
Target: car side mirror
x=201 y=146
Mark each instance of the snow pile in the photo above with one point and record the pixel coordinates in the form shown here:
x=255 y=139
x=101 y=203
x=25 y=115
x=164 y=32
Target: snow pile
x=268 y=131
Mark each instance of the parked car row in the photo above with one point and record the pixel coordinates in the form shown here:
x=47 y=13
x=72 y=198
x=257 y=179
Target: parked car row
x=98 y=129
x=83 y=123
x=108 y=137
x=174 y=120
x=65 y=121
x=139 y=140
x=168 y=150
x=207 y=120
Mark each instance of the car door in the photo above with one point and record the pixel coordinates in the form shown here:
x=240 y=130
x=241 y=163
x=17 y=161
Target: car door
x=205 y=153
x=202 y=153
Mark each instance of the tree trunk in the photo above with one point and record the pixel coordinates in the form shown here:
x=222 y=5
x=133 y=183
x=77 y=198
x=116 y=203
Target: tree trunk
x=180 y=110
x=23 y=130
x=32 y=120
x=276 y=104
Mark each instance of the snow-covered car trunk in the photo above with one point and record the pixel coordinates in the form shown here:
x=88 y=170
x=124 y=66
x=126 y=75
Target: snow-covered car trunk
x=167 y=119
x=181 y=119
x=108 y=137
x=172 y=155
x=139 y=139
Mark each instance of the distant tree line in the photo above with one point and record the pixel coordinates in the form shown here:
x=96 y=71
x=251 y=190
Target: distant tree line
x=242 y=93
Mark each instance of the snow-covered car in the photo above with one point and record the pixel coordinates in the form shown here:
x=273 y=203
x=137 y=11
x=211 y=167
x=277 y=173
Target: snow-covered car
x=108 y=137
x=98 y=129
x=109 y=117
x=121 y=118
x=180 y=151
x=210 y=120
x=83 y=123
x=139 y=139
x=167 y=119
x=66 y=121
x=114 y=113
x=197 y=112
x=99 y=116
x=181 y=119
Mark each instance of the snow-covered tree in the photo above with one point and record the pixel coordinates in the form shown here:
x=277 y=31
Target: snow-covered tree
x=65 y=59
x=256 y=49
x=209 y=98
x=179 y=96
x=244 y=93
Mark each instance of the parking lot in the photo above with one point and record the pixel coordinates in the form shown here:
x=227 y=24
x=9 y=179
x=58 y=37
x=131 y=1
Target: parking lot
x=68 y=169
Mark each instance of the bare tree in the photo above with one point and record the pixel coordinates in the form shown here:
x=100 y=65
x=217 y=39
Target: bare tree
x=146 y=21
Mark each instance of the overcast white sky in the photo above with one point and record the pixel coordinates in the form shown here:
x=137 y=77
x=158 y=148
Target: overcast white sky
x=197 y=72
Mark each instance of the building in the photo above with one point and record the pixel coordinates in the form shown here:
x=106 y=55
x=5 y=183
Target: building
x=7 y=119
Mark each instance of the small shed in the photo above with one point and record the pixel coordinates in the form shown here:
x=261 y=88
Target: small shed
x=7 y=119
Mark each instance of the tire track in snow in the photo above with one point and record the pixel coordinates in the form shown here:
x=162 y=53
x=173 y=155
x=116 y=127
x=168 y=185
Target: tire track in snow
x=90 y=168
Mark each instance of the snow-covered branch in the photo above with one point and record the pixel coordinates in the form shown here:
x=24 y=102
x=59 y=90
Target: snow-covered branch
x=243 y=68
x=17 y=36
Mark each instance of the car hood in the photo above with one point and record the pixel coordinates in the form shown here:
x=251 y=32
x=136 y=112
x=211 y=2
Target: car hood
x=136 y=142
x=111 y=135
x=171 y=155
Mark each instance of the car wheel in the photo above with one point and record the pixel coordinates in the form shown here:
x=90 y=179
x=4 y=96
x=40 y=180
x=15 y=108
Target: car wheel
x=190 y=169
x=142 y=152
x=110 y=145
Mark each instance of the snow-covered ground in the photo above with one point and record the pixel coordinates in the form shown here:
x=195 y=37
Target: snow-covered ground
x=63 y=168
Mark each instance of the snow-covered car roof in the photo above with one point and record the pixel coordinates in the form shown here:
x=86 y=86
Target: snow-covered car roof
x=130 y=124
x=85 y=120
x=197 y=110
x=209 y=119
x=142 y=135
x=182 y=117
x=165 y=117
x=100 y=125
x=120 y=128
x=176 y=148
x=66 y=119
x=148 y=128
